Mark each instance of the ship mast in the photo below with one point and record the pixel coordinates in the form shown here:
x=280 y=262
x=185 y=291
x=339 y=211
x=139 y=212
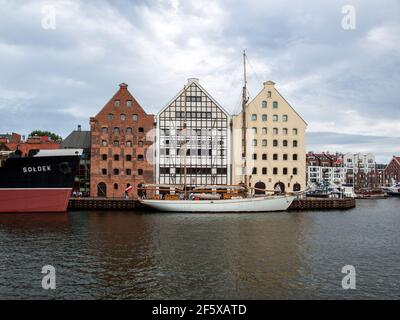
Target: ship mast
x=244 y=124
x=185 y=135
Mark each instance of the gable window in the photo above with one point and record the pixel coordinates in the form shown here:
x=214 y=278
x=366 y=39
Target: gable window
x=110 y=116
x=269 y=94
x=104 y=130
x=264 y=104
x=285 y=118
x=134 y=117
x=275 y=104
x=129 y=103
x=253 y=117
x=117 y=103
x=123 y=117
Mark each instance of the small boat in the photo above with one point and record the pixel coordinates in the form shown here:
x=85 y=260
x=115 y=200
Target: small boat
x=370 y=193
x=393 y=191
x=200 y=202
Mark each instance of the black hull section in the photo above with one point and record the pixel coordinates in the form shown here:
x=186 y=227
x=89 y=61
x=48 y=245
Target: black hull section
x=39 y=172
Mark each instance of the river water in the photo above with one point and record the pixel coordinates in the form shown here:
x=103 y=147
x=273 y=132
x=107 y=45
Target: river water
x=126 y=255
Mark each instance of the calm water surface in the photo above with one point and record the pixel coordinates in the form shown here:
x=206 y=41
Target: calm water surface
x=111 y=255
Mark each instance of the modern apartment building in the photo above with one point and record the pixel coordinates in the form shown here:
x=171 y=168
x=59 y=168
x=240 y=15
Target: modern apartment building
x=120 y=139
x=275 y=143
x=193 y=139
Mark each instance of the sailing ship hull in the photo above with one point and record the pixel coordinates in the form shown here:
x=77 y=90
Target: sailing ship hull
x=262 y=204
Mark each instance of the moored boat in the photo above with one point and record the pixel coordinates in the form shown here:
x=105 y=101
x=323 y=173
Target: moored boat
x=38 y=183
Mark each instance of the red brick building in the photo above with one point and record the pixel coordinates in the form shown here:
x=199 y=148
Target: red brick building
x=31 y=146
x=392 y=171
x=324 y=159
x=119 y=147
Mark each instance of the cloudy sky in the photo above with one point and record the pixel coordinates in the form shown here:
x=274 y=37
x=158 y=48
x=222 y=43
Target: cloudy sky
x=61 y=61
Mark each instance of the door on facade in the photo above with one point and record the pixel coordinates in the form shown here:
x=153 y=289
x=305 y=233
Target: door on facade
x=281 y=187
x=102 y=190
x=296 y=187
x=259 y=185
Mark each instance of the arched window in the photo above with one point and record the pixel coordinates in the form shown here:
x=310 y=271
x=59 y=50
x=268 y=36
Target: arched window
x=265 y=142
x=264 y=130
x=129 y=103
x=129 y=130
x=259 y=187
x=134 y=117
x=264 y=117
x=296 y=187
x=123 y=116
x=129 y=143
x=254 y=142
x=254 y=117
x=264 y=156
x=110 y=116
x=279 y=187
x=117 y=103
x=275 y=131
x=254 y=130
x=101 y=190
x=275 y=117
x=104 y=130
x=284 y=118
x=264 y=104
x=275 y=104
x=116 y=130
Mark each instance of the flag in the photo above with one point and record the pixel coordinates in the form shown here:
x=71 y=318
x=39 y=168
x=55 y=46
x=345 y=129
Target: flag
x=128 y=189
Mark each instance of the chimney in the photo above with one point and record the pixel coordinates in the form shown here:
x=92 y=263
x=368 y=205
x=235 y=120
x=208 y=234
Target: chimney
x=79 y=127
x=195 y=80
x=123 y=85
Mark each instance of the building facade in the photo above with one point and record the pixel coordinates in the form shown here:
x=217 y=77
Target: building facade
x=275 y=143
x=360 y=169
x=29 y=146
x=392 y=172
x=193 y=141
x=121 y=136
x=324 y=168
x=80 y=139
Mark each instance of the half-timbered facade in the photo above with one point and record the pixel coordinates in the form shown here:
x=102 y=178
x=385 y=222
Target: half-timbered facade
x=193 y=139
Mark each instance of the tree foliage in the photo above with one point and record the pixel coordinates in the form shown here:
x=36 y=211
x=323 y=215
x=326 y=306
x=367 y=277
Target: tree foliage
x=51 y=135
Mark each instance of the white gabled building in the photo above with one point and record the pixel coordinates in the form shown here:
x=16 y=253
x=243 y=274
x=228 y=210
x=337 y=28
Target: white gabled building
x=201 y=148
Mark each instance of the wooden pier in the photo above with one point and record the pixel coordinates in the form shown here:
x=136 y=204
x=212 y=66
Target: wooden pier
x=135 y=205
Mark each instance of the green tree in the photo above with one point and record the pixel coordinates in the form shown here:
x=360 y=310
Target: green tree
x=51 y=135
